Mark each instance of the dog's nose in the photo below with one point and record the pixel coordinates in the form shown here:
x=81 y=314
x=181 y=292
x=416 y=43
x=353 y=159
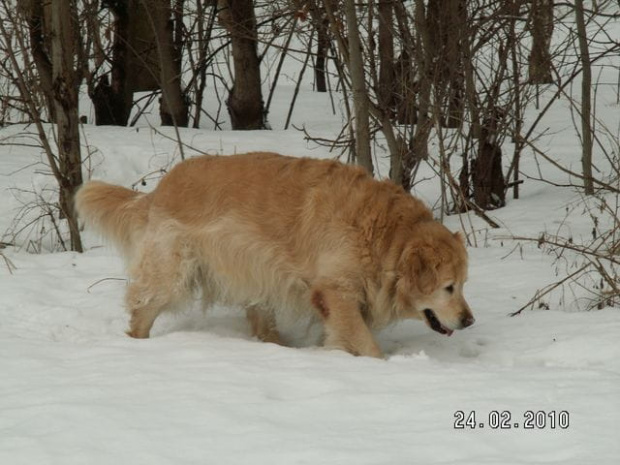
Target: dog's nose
x=467 y=320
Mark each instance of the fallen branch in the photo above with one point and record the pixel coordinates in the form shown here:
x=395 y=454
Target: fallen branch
x=539 y=152
x=9 y=264
x=102 y=280
x=566 y=245
x=550 y=288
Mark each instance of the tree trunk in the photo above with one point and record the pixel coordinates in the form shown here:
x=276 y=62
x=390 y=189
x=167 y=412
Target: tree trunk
x=446 y=30
x=586 y=111
x=454 y=58
x=65 y=92
x=388 y=97
x=204 y=37
x=322 y=50
x=320 y=22
x=245 y=102
x=407 y=85
x=387 y=72
x=174 y=109
x=512 y=9
x=146 y=56
x=113 y=96
x=489 y=186
x=541 y=26
x=358 y=88
x=424 y=57
x=38 y=17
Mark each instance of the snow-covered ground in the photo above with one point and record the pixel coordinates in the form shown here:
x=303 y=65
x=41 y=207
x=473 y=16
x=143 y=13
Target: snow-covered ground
x=74 y=389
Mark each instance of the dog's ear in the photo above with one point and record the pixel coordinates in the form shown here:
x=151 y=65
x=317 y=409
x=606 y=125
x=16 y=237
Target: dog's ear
x=459 y=236
x=424 y=263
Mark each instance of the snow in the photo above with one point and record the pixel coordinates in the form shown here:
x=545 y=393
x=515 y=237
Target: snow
x=74 y=389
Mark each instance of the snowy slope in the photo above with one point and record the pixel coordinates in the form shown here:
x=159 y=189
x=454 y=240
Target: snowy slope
x=75 y=389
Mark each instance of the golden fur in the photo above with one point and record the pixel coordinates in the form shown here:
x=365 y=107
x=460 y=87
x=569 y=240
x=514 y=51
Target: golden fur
x=281 y=234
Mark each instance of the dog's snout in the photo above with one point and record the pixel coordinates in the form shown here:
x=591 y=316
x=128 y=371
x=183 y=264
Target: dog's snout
x=467 y=320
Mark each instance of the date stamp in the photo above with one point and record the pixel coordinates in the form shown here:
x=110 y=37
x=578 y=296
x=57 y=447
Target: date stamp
x=504 y=419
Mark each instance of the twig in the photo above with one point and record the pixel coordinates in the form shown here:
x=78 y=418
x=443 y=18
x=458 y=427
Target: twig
x=565 y=245
x=297 y=86
x=9 y=264
x=102 y=280
x=280 y=62
x=550 y=288
x=566 y=170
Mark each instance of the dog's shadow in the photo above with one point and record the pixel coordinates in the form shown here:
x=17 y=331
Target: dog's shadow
x=404 y=338
x=231 y=322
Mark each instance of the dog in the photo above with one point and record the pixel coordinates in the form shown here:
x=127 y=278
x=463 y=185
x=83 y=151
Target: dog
x=274 y=234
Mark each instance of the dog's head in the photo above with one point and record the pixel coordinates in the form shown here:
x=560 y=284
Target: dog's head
x=432 y=271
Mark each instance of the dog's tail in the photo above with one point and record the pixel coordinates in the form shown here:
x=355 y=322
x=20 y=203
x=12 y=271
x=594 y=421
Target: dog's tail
x=118 y=214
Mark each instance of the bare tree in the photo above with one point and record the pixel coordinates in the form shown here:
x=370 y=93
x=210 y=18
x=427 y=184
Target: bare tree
x=112 y=92
x=320 y=23
x=38 y=18
x=57 y=47
x=200 y=61
x=145 y=55
x=358 y=88
x=65 y=96
x=446 y=30
x=541 y=27
x=245 y=101
x=387 y=73
x=165 y=25
x=586 y=112
x=424 y=58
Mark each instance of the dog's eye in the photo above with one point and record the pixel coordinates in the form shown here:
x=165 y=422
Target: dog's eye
x=450 y=288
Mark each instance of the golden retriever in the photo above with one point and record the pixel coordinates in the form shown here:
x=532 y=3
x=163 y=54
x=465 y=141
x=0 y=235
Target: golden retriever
x=279 y=234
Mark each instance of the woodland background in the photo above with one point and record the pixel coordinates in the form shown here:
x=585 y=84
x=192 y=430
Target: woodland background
x=442 y=84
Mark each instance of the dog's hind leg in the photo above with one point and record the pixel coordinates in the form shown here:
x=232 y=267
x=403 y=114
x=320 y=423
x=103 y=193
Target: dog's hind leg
x=345 y=327
x=263 y=323
x=144 y=303
x=161 y=280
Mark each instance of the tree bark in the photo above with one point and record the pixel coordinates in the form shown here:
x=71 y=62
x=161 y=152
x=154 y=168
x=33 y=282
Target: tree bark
x=174 y=109
x=454 y=50
x=387 y=73
x=586 y=105
x=320 y=66
x=65 y=92
x=424 y=57
x=541 y=26
x=320 y=22
x=204 y=37
x=113 y=96
x=489 y=186
x=407 y=85
x=358 y=88
x=512 y=9
x=146 y=56
x=245 y=101
x=38 y=28
x=446 y=30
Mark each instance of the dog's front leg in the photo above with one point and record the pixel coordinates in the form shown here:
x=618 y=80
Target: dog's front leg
x=263 y=323
x=345 y=328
